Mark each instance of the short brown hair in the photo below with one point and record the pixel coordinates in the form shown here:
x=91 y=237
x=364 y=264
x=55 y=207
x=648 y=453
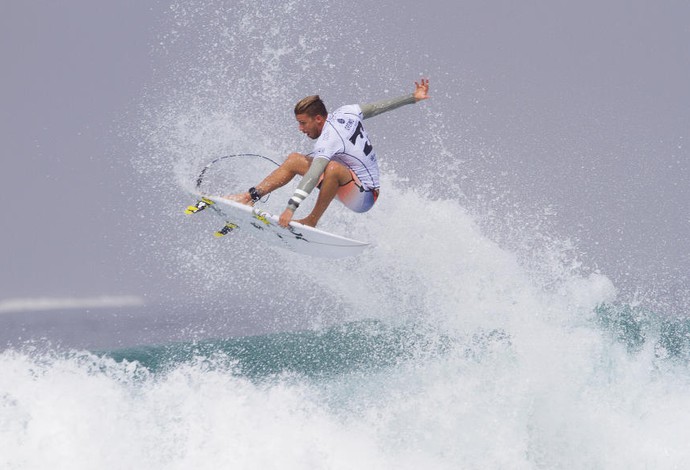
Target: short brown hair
x=311 y=106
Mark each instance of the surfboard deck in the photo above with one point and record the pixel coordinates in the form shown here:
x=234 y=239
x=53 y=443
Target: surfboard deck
x=264 y=226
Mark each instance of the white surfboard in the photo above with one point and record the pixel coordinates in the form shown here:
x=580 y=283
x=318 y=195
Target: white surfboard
x=297 y=237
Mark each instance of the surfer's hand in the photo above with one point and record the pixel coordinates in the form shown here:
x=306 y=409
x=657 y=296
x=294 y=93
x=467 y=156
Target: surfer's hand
x=285 y=218
x=421 y=91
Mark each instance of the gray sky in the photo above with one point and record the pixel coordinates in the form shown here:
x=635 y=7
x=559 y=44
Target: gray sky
x=70 y=71
x=584 y=105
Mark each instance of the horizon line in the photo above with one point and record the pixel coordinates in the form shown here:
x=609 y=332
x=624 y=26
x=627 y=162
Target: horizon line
x=57 y=303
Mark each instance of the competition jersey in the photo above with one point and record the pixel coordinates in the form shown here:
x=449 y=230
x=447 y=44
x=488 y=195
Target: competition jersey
x=343 y=139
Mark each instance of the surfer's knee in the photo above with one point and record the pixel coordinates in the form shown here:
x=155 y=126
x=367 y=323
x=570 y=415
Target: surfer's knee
x=298 y=162
x=296 y=157
x=338 y=172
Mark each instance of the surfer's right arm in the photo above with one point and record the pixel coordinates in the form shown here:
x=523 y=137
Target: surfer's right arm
x=305 y=187
x=309 y=182
x=421 y=92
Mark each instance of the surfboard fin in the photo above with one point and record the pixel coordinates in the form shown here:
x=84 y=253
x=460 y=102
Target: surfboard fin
x=199 y=206
x=229 y=227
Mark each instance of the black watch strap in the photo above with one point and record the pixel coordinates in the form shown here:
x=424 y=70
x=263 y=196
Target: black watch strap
x=254 y=194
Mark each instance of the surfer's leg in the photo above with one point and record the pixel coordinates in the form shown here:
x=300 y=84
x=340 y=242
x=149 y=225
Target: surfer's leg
x=335 y=176
x=294 y=164
x=355 y=197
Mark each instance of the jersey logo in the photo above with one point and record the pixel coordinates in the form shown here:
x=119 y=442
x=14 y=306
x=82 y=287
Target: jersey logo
x=359 y=132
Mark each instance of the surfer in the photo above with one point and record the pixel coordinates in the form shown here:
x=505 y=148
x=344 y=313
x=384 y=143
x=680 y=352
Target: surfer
x=343 y=163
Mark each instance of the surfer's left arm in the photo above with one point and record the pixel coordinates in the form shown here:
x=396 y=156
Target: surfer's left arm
x=421 y=92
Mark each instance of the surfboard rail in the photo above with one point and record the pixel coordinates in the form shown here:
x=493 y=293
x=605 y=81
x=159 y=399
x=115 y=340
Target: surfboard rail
x=263 y=225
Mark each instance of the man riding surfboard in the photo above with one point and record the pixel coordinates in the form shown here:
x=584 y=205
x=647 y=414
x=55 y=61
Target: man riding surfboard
x=343 y=163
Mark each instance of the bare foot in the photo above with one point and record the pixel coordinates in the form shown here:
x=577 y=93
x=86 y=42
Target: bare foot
x=242 y=198
x=308 y=221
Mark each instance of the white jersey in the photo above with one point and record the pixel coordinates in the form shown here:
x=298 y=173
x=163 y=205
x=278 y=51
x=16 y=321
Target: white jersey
x=343 y=139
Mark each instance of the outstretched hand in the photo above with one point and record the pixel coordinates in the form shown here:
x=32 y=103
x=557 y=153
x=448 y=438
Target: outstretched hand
x=421 y=91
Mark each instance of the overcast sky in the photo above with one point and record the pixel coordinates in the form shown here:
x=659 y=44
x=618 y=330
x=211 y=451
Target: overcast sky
x=587 y=103
x=70 y=71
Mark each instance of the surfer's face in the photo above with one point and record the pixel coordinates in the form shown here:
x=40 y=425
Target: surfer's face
x=311 y=126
